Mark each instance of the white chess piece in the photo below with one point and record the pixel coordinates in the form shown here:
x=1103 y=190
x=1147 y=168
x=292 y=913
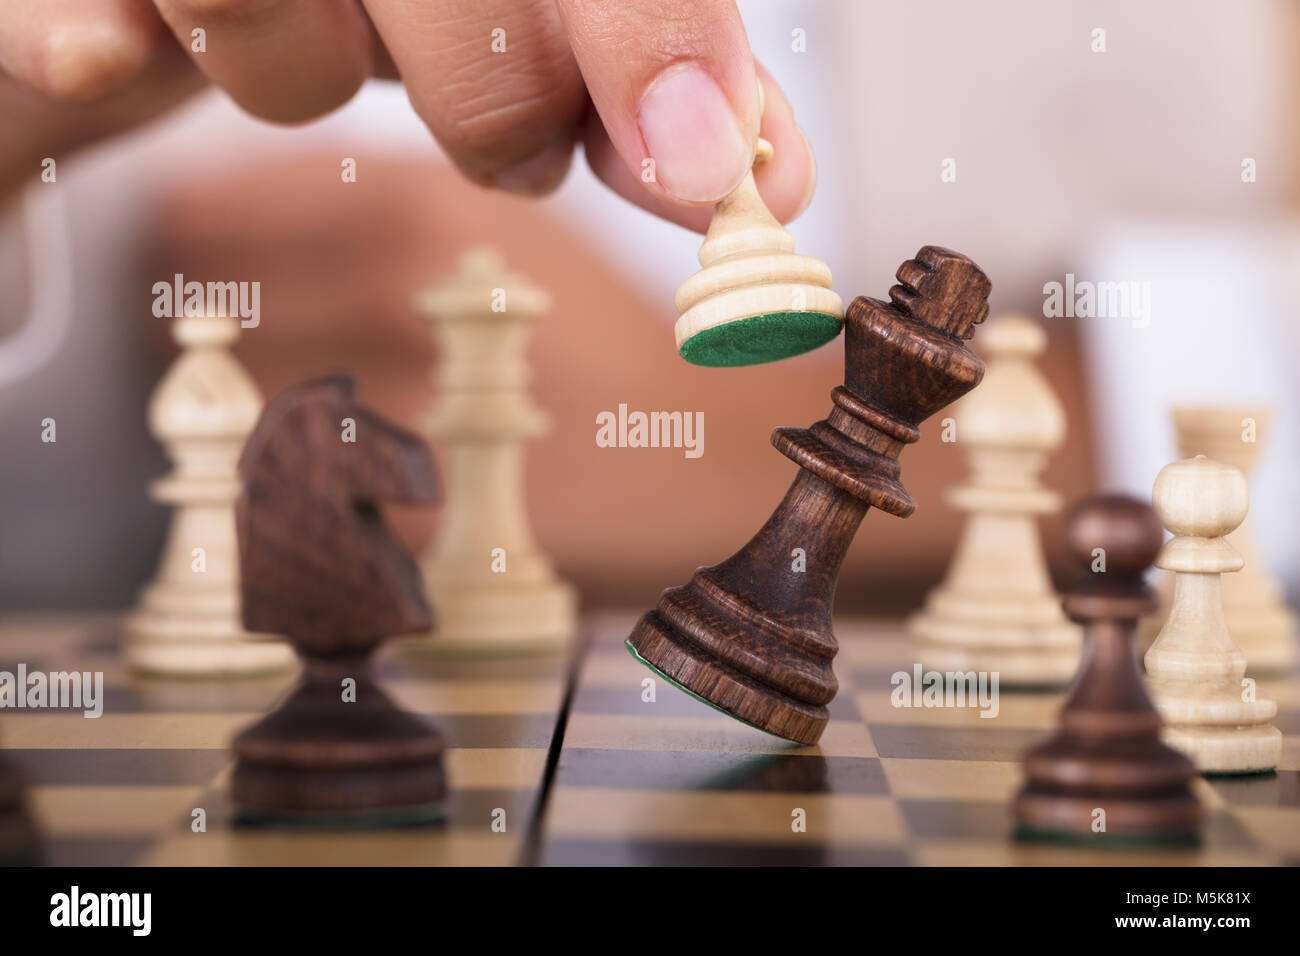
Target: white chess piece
x=996 y=609
x=187 y=621
x=1261 y=623
x=1195 y=667
x=493 y=591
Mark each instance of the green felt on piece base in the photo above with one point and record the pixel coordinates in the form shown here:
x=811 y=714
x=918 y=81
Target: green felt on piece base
x=1113 y=841
x=686 y=690
x=760 y=338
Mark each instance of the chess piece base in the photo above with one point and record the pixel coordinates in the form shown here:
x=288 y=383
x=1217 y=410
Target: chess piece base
x=758 y=338
x=1228 y=750
x=705 y=677
x=503 y=621
x=200 y=647
x=1024 y=653
x=321 y=760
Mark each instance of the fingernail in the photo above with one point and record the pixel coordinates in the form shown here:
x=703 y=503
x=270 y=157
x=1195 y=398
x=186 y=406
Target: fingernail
x=811 y=187
x=536 y=176
x=691 y=132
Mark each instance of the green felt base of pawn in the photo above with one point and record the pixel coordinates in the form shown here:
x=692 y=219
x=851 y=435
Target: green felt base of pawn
x=760 y=338
x=1113 y=841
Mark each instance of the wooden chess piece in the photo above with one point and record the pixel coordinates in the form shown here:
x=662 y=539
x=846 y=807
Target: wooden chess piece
x=1105 y=775
x=754 y=299
x=321 y=567
x=187 y=621
x=1195 y=668
x=996 y=609
x=18 y=843
x=1263 y=626
x=752 y=636
x=495 y=591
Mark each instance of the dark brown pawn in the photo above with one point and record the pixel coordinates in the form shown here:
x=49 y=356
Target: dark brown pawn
x=1108 y=753
x=319 y=565
x=752 y=636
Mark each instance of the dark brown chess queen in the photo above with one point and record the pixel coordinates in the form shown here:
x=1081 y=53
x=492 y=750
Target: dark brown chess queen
x=752 y=636
x=319 y=565
x=1107 y=754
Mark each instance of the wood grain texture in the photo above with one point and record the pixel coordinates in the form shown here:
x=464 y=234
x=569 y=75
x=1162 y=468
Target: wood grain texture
x=752 y=636
x=1107 y=755
x=321 y=567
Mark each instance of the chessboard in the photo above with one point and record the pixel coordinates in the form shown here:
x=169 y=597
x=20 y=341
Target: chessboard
x=611 y=778
x=121 y=789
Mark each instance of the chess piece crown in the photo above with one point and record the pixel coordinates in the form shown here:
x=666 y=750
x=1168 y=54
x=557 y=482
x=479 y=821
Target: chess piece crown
x=754 y=299
x=752 y=637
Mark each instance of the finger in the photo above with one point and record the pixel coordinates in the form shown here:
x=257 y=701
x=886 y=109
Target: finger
x=494 y=81
x=674 y=82
x=785 y=181
x=78 y=49
x=282 y=60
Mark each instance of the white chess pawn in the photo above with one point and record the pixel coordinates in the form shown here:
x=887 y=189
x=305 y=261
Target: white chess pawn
x=1261 y=623
x=996 y=609
x=754 y=299
x=187 y=621
x=1195 y=667
x=493 y=591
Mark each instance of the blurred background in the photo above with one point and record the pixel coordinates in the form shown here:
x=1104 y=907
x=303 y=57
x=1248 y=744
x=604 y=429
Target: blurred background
x=1125 y=165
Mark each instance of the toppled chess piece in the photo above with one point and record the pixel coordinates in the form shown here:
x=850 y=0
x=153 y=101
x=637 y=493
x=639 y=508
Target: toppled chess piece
x=321 y=567
x=1195 y=667
x=1105 y=775
x=996 y=609
x=187 y=622
x=754 y=299
x=495 y=591
x=752 y=636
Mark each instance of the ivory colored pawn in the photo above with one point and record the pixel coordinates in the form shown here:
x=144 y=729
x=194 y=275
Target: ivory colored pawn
x=1195 y=668
x=1261 y=623
x=996 y=609
x=187 y=620
x=492 y=589
x=754 y=300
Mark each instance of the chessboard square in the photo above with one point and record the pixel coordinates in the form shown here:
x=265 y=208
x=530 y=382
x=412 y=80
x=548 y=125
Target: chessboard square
x=953 y=743
x=499 y=767
x=1273 y=829
x=509 y=731
x=143 y=731
x=399 y=846
x=1280 y=789
x=1027 y=711
x=869 y=644
x=952 y=819
x=578 y=852
x=959 y=780
x=122 y=768
x=144 y=696
x=714 y=733
x=475 y=697
x=109 y=811
x=1010 y=852
x=725 y=817
x=697 y=771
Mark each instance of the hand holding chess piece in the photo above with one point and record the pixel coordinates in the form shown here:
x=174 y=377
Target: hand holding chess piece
x=1195 y=667
x=754 y=299
x=1105 y=775
x=752 y=636
x=321 y=567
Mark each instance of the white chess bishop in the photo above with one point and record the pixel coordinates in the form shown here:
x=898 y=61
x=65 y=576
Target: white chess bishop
x=493 y=591
x=187 y=620
x=1195 y=668
x=996 y=609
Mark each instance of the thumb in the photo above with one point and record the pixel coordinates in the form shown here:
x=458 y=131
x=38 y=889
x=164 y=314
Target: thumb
x=674 y=83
